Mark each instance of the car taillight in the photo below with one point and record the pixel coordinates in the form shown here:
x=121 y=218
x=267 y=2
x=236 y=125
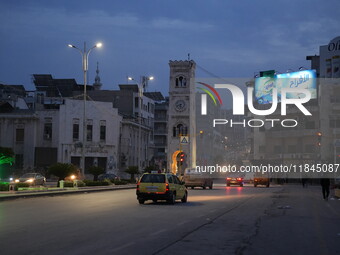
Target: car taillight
x=239 y=179
x=228 y=179
x=167 y=187
x=138 y=185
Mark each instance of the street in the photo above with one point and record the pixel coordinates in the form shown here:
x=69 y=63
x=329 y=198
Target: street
x=234 y=220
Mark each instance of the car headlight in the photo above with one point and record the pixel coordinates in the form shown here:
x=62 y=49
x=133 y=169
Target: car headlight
x=29 y=180
x=17 y=180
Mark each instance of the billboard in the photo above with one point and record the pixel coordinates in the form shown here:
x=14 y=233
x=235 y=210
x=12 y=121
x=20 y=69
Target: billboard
x=305 y=79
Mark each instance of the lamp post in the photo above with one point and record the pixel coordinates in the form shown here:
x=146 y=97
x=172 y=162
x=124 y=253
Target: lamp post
x=141 y=86
x=85 y=59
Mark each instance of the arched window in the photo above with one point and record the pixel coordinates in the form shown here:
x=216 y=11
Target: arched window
x=179 y=130
x=181 y=82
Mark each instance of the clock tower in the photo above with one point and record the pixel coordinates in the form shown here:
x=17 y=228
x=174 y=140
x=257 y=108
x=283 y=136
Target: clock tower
x=181 y=151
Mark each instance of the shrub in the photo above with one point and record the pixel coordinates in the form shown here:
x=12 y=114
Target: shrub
x=21 y=185
x=4 y=187
x=95 y=171
x=96 y=183
x=120 y=182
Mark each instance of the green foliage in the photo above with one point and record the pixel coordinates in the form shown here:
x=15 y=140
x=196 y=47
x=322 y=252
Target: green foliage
x=132 y=170
x=21 y=185
x=4 y=187
x=7 y=151
x=96 y=183
x=95 y=171
x=120 y=182
x=148 y=169
x=62 y=170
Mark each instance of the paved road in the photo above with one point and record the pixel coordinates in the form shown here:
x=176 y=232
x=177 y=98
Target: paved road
x=231 y=220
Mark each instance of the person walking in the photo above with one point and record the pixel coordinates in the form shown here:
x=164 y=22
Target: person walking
x=325 y=183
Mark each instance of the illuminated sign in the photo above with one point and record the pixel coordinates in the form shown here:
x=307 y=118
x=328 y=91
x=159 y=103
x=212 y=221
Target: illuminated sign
x=264 y=86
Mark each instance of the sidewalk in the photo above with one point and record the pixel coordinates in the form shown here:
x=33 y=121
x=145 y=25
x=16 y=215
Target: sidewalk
x=9 y=195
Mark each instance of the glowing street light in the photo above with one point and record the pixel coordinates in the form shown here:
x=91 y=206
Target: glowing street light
x=85 y=59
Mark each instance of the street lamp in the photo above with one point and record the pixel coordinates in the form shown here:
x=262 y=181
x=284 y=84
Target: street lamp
x=85 y=60
x=141 y=86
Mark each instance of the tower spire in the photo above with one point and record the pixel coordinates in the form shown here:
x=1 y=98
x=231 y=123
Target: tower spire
x=97 y=84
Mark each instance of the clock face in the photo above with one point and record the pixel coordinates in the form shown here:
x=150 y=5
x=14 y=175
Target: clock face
x=180 y=105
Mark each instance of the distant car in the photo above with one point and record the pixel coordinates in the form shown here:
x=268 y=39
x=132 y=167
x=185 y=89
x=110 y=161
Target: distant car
x=32 y=179
x=160 y=186
x=261 y=180
x=234 y=180
x=102 y=177
x=193 y=179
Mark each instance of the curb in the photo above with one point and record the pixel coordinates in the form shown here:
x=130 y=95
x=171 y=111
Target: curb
x=4 y=197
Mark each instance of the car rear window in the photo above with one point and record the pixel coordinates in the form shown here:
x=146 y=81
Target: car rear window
x=155 y=178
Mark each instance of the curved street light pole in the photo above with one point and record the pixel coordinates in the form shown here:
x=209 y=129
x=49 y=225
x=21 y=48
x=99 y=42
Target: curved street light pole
x=85 y=59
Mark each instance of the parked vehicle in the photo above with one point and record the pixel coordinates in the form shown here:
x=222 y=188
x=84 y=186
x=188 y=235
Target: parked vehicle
x=160 y=186
x=193 y=179
x=32 y=178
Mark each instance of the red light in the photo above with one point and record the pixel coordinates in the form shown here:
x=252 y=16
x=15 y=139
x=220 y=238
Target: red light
x=228 y=178
x=138 y=185
x=239 y=179
x=167 y=186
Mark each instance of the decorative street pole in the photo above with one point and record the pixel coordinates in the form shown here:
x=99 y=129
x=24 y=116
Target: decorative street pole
x=85 y=58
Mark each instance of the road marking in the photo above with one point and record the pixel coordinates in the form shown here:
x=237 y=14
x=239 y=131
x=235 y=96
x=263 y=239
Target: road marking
x=123 y=246
x=158 y=232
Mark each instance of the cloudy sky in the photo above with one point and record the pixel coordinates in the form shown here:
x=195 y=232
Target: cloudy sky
x=226 y=38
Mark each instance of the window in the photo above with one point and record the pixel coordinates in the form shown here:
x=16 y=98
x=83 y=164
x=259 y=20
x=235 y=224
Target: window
x=48 y=129
x=180 y=130
x=181 y=82
x=334 y=123
x=89 y=128
x=75 y=130
x=170 y=179
x=19 y=135
x=102 y=130
x=136 y=102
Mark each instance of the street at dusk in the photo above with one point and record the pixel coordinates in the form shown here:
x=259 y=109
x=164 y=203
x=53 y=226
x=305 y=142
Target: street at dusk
x=170 y=127
x=226 y=220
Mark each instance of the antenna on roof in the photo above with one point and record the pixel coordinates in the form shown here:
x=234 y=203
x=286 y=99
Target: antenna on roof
x=188 y=56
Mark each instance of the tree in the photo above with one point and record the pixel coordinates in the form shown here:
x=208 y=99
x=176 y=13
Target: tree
x=62 y=170
x=148 y=169
x=132 y=170
x=6 y=157
x=95 y=171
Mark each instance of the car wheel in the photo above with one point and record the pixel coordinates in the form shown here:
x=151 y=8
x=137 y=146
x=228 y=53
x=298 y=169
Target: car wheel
x=255 y=185
x=267 y=185
x=203 y=186
x=141 y=201
x=185 y=198
x=228 y=184
x=172 y=199
x=155 y=200
x=211 y=186
x=241 y=185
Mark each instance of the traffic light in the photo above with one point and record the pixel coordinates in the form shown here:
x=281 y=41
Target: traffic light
x=319 y=135
x=181 y=157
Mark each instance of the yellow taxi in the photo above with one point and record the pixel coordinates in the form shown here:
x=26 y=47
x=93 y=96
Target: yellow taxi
x=161 y=186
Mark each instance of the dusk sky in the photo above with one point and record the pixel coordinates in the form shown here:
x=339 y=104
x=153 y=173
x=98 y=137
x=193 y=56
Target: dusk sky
x=227 y=38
